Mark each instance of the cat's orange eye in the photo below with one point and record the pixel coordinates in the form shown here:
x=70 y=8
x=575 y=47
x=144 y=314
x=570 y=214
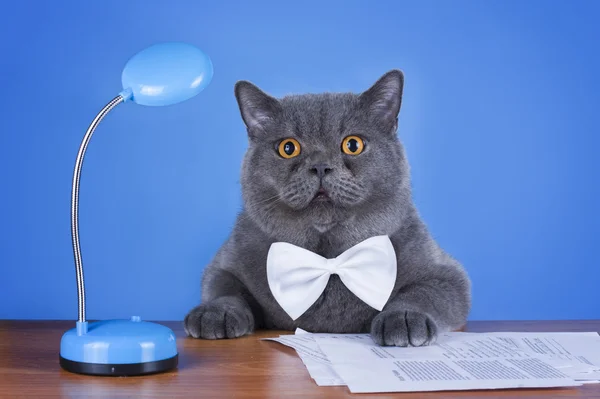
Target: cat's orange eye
x=289 y=148
x=353 y=145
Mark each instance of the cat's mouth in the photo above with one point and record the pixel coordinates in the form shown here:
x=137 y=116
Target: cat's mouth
x=322 y=195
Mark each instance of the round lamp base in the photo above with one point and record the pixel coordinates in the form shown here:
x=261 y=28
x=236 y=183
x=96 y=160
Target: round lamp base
x=118 y=348
x=119 y=370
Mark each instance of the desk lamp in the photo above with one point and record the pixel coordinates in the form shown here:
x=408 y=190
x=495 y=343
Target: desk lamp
x=162 y=74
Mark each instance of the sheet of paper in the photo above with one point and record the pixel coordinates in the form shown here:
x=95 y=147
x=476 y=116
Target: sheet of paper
x=452 y=363
x=578 y=354
x=583 y=348
x=395 y=375
x=457 y=361
x=322 y=373
x=305 y=345
x=316 y=363
x=343 y=347
x=456 y=346
x=577 y=371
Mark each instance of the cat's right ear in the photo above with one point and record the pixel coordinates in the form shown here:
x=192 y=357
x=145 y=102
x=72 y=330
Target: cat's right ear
x=257 y=108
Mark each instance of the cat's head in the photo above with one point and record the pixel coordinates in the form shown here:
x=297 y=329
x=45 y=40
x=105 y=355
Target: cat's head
x=316 y=161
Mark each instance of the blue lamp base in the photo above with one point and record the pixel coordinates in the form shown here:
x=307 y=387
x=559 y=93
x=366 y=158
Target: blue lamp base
x=118 y=348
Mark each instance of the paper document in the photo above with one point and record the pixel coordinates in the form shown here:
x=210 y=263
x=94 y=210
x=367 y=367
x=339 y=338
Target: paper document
x=582 y=348
x=317 y=364
x=395 y=375
x=457 y=361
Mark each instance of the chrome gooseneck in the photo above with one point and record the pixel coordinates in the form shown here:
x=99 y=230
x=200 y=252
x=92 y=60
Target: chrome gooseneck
x=75 y=204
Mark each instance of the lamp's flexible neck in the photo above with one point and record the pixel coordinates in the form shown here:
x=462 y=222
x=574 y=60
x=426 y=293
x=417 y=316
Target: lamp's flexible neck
x=75 y=204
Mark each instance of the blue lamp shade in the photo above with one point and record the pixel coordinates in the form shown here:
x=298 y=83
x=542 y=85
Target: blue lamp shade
x=165 y=74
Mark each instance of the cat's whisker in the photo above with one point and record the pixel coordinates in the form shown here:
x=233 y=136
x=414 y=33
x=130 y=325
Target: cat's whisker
x=266 y=200
x=262 y=211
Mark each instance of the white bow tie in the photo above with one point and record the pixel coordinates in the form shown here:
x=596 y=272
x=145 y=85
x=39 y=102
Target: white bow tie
x=297 y=277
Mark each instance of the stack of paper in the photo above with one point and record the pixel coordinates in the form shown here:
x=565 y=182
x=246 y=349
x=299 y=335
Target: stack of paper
x=457 y=361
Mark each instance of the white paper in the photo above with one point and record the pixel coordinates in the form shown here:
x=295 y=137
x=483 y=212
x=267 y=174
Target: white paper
x=322 y=373
x=342 y=348
x=316 y=363
x=583 y=348
x=457 y=361
x=395 y=375
x=304 y=345
x=577 y=354
x=456 y=346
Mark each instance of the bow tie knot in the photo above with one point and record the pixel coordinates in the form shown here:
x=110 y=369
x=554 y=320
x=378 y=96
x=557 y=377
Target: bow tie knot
x=297 y=277
x=332 y=265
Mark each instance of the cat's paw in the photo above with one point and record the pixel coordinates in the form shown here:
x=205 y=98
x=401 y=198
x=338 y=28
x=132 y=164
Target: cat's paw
x=403 y=328
x=218 y=319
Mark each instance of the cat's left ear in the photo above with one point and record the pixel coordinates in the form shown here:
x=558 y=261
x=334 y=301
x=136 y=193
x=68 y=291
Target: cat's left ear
x=258 y=109
x=382 y=100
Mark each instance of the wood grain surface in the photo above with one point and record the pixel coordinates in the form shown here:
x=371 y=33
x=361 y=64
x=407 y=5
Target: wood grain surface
x=239 y=368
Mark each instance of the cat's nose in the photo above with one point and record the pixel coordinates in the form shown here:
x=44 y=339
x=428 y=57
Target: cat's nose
x=320 y=169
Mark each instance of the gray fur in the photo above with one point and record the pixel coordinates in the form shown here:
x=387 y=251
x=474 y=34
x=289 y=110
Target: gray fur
x=369 y=195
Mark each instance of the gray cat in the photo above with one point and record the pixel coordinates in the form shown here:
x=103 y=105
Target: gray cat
x=325 y=172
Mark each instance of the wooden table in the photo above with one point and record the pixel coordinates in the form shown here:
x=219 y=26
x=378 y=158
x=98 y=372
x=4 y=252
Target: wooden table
x=240 y=368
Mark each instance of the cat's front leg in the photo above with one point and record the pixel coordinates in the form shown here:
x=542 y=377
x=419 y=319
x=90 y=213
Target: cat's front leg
x=396 y=327
x=418 y=312
x=224 y=311
x=224 y=317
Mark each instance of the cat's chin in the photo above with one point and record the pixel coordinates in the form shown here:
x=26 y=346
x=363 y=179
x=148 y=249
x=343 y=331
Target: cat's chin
x=324 y=227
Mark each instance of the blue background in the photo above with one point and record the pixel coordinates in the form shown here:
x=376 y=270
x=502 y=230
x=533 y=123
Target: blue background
x=500 y=122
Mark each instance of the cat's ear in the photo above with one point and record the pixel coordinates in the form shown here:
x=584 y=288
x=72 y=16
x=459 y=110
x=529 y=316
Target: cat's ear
x=257 y=108
x=382 y=100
